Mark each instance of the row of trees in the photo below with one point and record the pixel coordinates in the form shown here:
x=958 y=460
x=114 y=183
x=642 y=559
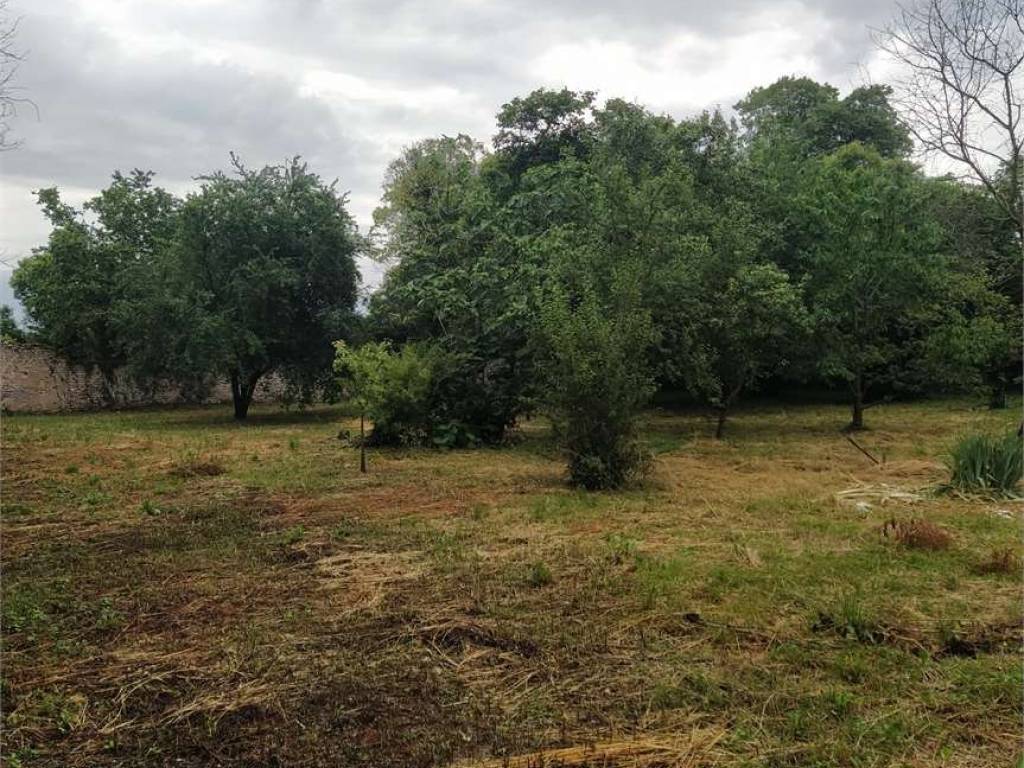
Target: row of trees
x=254 y=273
x=599 y=253
x=596 y=254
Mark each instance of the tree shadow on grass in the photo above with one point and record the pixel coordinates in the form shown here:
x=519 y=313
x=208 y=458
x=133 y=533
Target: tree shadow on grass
x=259 y=416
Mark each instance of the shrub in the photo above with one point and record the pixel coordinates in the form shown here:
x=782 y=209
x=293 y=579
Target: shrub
x=540 y=575
x=473 y=399
x=389 y=387
x=990 y=464
x=597 y=380
x=401 y=413
x=414 y=396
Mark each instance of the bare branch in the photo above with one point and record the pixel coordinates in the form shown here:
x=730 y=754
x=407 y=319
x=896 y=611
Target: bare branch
x=10 y=58
x=964 y=64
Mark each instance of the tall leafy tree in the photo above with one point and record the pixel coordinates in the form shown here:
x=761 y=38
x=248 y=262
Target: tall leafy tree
x=752 y=325
x=728 y=317
x=455 y=279
x=75 y=288
x=812 y=119
x=267 y=261
x=981 y=348
x=540 y=128
x=876 y=273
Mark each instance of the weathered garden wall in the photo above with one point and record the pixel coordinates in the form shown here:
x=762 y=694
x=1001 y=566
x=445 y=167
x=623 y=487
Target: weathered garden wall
x=33 y=379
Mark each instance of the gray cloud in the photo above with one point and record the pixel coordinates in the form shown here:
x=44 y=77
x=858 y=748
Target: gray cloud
x=174 y=86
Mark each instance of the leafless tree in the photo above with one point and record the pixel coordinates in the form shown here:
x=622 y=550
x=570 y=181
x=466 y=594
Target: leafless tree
x=10 y=58
x=962 y=88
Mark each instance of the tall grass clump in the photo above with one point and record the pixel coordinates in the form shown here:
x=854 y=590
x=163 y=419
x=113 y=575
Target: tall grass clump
x=981 y=463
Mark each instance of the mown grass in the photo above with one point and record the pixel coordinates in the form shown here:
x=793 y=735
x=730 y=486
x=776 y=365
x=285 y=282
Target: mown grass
x=180 y=589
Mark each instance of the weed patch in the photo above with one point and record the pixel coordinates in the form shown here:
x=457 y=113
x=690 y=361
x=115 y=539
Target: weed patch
x=987 y=464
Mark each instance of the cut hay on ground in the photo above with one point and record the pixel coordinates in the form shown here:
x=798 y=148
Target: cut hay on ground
x=669 y=751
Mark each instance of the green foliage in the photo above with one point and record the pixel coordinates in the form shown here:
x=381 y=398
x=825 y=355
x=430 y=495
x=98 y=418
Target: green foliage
x=596 y=251
x=877 y=279
x=10 y=332
x=361 y=371
x=77 y=288
x=979 y=347
x=541 y=128
x=788 y=251
x=401 y=415
x=752 y=326
x=390 y=388
x=400 y=392
x=540 y=574
x=596 y=377
x=811 y=117
x=457 y=281
x=267 y=259
x=255 y=273
x=989 y=464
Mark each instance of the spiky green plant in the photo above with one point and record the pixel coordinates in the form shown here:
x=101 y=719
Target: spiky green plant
x=981 y=463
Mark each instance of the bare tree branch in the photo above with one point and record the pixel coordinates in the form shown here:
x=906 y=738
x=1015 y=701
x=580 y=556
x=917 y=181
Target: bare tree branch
x=10 y=58
x=961 y=94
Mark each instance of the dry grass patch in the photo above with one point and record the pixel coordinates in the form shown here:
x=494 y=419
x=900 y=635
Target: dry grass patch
x=1004 y=560
x=360 y=580
x=679 y=750
x=198 y=468
x=917 y=534
x=464 y=608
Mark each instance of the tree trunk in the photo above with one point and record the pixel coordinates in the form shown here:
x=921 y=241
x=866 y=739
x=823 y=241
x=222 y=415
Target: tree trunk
x=362 y=444
x=997 y=400
x=723 y=409
x=107 y=379
x=857 y=420
x=720 y=427
x=242 y=392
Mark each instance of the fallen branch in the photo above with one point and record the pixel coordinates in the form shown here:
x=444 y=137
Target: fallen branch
x=861 y=448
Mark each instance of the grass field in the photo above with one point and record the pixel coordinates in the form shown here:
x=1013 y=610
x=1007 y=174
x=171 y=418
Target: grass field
x=182 y=590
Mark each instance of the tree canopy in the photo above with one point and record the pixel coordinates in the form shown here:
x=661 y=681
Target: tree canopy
x=595 y=253
x=254 y=273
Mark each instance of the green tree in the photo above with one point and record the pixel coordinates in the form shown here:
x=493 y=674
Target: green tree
x=876 y=273
x=976 y=347
x=595 y=371
x=361 y=373
x=811 y=119
x=455 y=279
x=751 y=325
x=981 y=347
x=75 y=289
x=10 y=331
x=542 y=128
x=266 y=260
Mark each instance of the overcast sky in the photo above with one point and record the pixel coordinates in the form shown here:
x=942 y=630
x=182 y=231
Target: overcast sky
x=174 y=86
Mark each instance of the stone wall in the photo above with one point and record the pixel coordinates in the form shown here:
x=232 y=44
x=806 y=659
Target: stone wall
x=33 y=379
